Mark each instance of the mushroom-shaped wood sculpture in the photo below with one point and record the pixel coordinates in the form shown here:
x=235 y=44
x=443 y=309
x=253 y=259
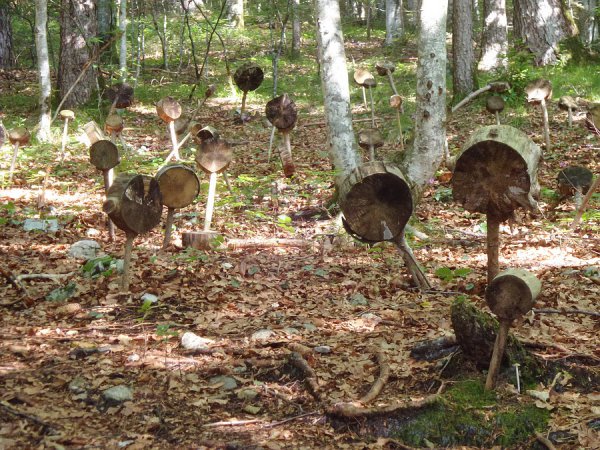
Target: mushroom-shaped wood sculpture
x=133 y=203
x=496 y=173
x=66 y=115
x=114 y=125
x=370 y=139
x=17 y=137
x=568 y=103
x=120 y=96
x=169 y=110
x=104 y=156
x=363 y=78
x=377 y=201
x=538 y=93
x=179 y=186
x=495 y=105
x=248 y=77
x=281 y=112
x=509 y=295
x=386 y=69
x=396 y=103
x=593 y=118
x=574 y=181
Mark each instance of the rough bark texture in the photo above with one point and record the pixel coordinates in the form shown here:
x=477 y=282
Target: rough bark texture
x=430 y=129
x=343 y=150
x=41 y=45
x=495 y=36
x=588 y=25
x=235 y=13
x=123 y=46
x=541 y=25
x=6 y=40
x=463 y=56
x=296 y=27
x=77 y=25
x=393 y=21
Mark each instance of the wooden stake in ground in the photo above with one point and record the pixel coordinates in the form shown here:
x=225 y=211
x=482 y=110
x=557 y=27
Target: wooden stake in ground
x=568 y=103
x=538 y=93
x=495 y=105
x=104 y=156
x=179 y=186
x=584 y=203
x=113 y=125
x=248 y=77
x=282 y=113
x=386 y=69
x=133 y=203
x=17 y=137
x=66 y=115
x=510 y=294
x=364 y=79
x=169 y=110
x=396 y=103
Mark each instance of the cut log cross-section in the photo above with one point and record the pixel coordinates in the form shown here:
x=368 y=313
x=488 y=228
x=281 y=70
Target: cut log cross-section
x=282 y=113
x=104 y=155
x=386 y=69
x=169 y=110
x=179 y=186
x=120 y=96
x=496 y=173
x=248 y=77
x=113 y=125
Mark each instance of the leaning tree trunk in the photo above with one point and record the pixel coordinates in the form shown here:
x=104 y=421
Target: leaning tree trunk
x=427 y=153
x=463 y=56
x=494 y=36
x=393 y=21
x=343 y=150
x=78 y=25
x=43 y=64
x=123 y=47
x=541 y=25
x=6 y=39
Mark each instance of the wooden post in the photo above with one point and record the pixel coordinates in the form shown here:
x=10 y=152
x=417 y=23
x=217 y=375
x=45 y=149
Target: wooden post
x=13 y=162
x=497 y=355
x=493 y=245
x=546 y=125
x=108 y=179
x=210 y=202
x=127 y=262
x=168 y=227
x=63 y=143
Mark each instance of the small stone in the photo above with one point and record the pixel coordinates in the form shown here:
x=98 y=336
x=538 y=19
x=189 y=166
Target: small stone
x=309 y=326
x=323 y=349
x=191 y=341
x=133 y=358
x=92 y=232
x=291 y=331
x=357 y=299
x=78 y=386
x=147 y=297
x=85 y=249
x=50 y=225
x=226 y=383
x=117 y=394
x=262 y=335
x=247 y=394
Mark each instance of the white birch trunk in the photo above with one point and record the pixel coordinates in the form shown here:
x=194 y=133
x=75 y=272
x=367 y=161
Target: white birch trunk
x=296 y=27
x=393 y=21
x=43 y=63
x=123 y=30
x=424 y=158
x=494 y=44
x=343 y=150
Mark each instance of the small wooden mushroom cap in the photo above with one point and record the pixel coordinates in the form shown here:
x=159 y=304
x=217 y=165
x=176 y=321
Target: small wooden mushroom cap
x=567 y=102
x=364 y=78
x=210 y=91
x=113 y=123
x=181 y=124
x=494 y=104
x=121 y=94
x=538 y=90
x=248 y=77
x=281 y=112
x=67 y=114
x=383 y=67
x=396 y=102
x=370 y=137
x=104 y=155
x=512 y=293
x=19 y=135
x=214 y=155
x=168 y=109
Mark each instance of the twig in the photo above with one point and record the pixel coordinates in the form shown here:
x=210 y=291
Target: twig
x=353 y=409
x=544 y=440
x=584 y=203
x=384 y=374
x=323 y=123
x=231 y=423
x=56 y=277
x=290 y=419
x=267 y=243
x=27 y=299
x=310 y=375
x=472 y=95
x=566 y=311
x=29 y=417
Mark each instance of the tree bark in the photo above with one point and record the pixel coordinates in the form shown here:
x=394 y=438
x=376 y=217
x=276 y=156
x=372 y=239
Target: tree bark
x=123 y=46
x=427 y=153
x=463 y=57
x=235 y=13
x=296 y=27
x=394 y=27
x=588 y=25
x=77 y=24
x=541 y=25
x=494 y=36
x=343 y=150
x=6 y=39
x=43 y=63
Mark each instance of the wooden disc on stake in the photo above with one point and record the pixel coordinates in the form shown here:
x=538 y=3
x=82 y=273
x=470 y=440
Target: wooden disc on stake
x=19 y=136
x=67 y=114
x=214 y=155
x=574 y=180
x=168 y=109
x=113 y=124
x=248 y=77
x=179 y=185
x=104 y=155
x=120 y=95
x=282 y=113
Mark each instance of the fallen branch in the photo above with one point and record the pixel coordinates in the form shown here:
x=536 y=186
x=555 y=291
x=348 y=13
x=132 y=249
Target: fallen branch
x=566 y=311
x=27 y=299
x=231 y=423
x=497 y=86
x=384 y=374
x=56 y=277
x=354 y=409
x=310 y=376
x=323 y=123
x=47 y=426
x=267 y=243
x=544 y=440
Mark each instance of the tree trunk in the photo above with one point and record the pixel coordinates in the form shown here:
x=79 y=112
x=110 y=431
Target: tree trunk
x=393 y=20
x=411 y=13
x=494 y=36
x=235 y=13
x=343 y=150
x=424 y=158
x=541 y=25
x=78 y=24
x=43 y=63
x=588 y=26
x=6 y=39
x=463 y=57
x=123 y=47
x=296 y=27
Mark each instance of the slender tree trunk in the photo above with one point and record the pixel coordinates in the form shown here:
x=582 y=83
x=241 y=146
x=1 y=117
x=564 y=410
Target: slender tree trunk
x=411 y=13
x=296 y=27
x=394 y=28
x=427 y=153
x=343 y=150
x=235 y=13
x=123 y=47
x=41 y=45
x=463 y=56
x=6 y=39
x=494 y=45
x=161 y=31
x=588 y=26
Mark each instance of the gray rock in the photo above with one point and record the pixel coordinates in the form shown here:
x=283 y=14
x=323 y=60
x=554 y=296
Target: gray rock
x=117 y=394
x=291 y=330
x=84 y=250
x=262 y=335
x=228 y=383
x=78 y=386
x=50 y=225
x=147 y=297
x=191 y=341
x=309 y=326
x=357 y=299
x=323 y=349
x=247 y=394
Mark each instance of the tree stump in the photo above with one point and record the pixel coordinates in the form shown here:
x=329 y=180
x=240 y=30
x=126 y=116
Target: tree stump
x=282 y=113
x=179 y=186
x=248 y=77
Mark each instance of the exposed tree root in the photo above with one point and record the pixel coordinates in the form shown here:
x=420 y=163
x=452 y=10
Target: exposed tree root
x=384 y=374
x=355 y=409
x=310 y=377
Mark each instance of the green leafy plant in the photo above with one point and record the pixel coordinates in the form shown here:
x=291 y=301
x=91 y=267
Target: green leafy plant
x=446 y=274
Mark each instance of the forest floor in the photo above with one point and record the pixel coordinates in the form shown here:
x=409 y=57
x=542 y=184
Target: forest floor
x=337 y=302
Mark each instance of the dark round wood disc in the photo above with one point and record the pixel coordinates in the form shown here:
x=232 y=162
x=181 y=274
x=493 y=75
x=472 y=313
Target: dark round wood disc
x=104 y=155
x=133 y=203
x=512 y=293
x=168 y=109
x=281 y=112
x=376 y=201
x=248 y=77
x=214 y=155
x=574 y=178
x=179 y=185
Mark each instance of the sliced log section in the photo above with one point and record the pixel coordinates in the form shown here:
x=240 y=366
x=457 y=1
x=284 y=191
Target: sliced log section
x=574 y=181
x=510 y=295
x=495 y=105
x=169 y=110
x=113 y=125
x=248 y=77
x=386 y=69
x=93 y=132
x=120 y=95
x=282 y=113
x=496 y=173
x=214 y=155
x=538 y=93
x=17 y=137
x=104 y=155
x=179 y=186
x=133 y=203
